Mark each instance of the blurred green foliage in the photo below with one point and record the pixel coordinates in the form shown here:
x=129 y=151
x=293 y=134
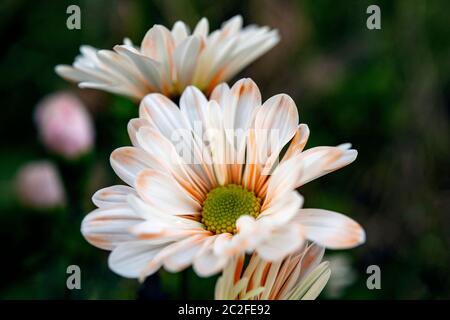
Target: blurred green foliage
x=387 y=91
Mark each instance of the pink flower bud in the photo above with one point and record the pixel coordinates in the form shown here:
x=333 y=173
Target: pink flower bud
x=64 y=125
x=39 y=185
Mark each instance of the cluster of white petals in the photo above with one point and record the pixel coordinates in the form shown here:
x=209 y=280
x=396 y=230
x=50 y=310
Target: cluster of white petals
x=300 y=276
x=213 y=171
x=156 y=221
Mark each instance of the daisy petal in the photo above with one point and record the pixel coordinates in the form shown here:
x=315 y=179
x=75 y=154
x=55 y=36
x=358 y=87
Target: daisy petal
x=206 y=263
x=232 y=26
x=133 y=127
x=179 y=32
x=202 y=28
x=108 y=227
x=186 y=56
x=181 y=254
x=330 y=229
x=282 y=242
x=194 y=105
x=319 y=161
x=281 y=211
x=111 y=196
x=167 y=159
x=239 y=112
x=298 y=142
x=148 y=68
x=164 y=115
x=163 y=192
x=275 y=124
x=158 y=44
x=130 y=259
x=127 y=162
x=284 y=179
x=311 y=259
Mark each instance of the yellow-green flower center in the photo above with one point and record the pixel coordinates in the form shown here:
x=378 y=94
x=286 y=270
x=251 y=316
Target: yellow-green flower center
x=224 y=205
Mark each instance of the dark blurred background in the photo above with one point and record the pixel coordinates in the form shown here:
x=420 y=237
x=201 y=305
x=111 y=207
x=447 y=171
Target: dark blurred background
x=386 y=91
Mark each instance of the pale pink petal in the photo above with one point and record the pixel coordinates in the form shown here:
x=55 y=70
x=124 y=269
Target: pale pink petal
x=180 y=255
x=158 y=44
x=179 y=32
x=206 y=263
x=130 y=259
x=275 y=125
x=252 y=43
x=311 y=259
x=282 y=242
x=186 y=57
x=252 y=169
x=127 y=162
x=212 y=60
x=222 y=94
x=71 y=74
x=231 y=26
x=244 y=99
x=157 y=221
x=303 y=167
x=133 y=127
x=194 y=105
x=284 y=179
x=215 y=137
x=202 y=28
x=247 y=99
x=108 y=227
x=250 y=234
x=298 y=142
x=281 y=211
x=226 y=244
x=319 y=161
x=148 y=68
x=111 y=196
x=163 y=192
x=164 y=115
x=166 y=159
x=121 y=68
x=330 y=229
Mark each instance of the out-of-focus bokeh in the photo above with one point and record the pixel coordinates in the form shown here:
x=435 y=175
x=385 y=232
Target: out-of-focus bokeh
x=386 y=91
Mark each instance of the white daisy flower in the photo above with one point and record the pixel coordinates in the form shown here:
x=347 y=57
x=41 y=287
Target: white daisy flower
x=300 y=276
x=204 y=184
x=168 y=61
